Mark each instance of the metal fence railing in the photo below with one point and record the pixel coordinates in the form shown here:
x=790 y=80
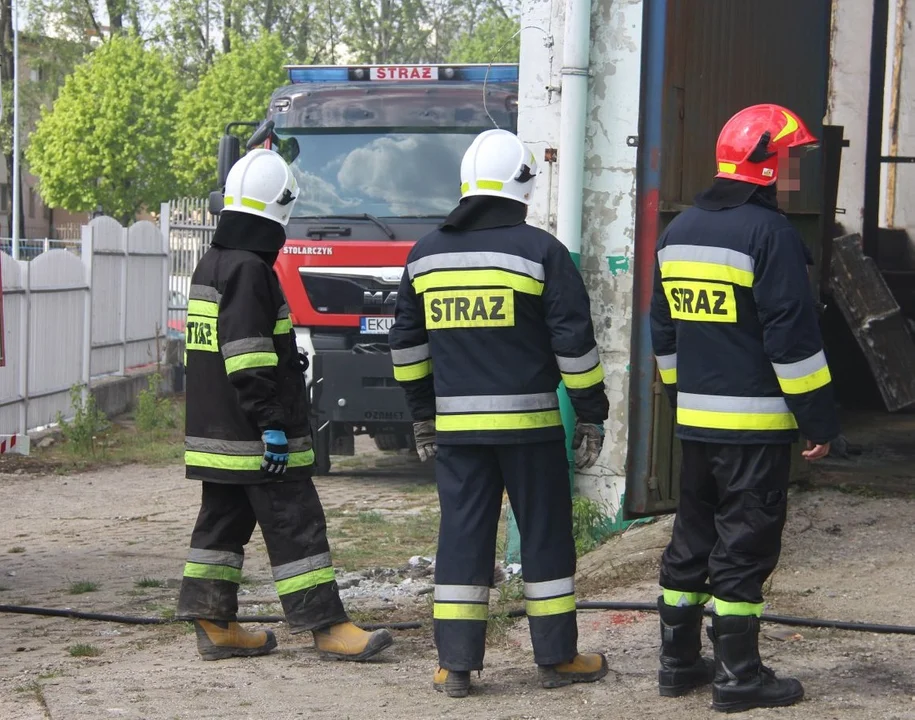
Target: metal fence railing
x=190 y=228
x=33 y=247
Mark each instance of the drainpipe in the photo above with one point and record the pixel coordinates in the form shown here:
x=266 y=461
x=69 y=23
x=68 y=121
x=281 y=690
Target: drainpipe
x=576 y=46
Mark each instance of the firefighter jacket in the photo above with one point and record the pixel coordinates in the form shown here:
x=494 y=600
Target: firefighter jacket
x=734 y=329
x=243 y=371
x=487 y=323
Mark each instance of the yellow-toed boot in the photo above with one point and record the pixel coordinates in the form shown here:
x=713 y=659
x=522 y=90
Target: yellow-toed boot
x=587 y=667
x=218 y=640
x=454 y=683
x=346 y=641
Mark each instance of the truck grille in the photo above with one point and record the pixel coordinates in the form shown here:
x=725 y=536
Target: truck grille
x=349 y=294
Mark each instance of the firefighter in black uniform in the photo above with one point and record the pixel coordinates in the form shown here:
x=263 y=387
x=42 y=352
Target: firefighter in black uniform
x=491 y=314
x=735 y=334
x=248 y=434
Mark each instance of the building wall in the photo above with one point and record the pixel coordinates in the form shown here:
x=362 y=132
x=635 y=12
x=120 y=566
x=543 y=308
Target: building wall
x=608 y=202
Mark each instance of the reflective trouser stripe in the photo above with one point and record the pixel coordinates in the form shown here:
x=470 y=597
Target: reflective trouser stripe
x=580 y=381
x=553 y=606
x=699 y=262
x=460 y=611
x=727 y=412
x=240 y=447
x=497 y=421
x=723 y=607
x=305 y=581
x=242 y=462
x=462 y=593
x=463 y=279
x=461 y=602
x=549 y=588
x=678 y=598
x=215 y=557
x=212 y=572
x=300 y=567
x=803 y=376
x=414 y=371
x=667 y=367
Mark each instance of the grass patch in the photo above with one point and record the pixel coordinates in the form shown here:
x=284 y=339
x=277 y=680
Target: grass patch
x=370 y=539
x=50 y=675
x=16 y=549
x=83 y=650
x=588 y=518
x=371 y=517
x=83 y=586
x=148 y=582
x=166 y=612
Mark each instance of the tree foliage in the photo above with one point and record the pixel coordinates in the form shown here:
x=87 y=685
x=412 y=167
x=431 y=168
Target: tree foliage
x=237 y=86
x=107 y=138
x=494 y=39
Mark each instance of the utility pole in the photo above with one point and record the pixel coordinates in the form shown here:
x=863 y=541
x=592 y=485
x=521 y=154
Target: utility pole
x=16 y=180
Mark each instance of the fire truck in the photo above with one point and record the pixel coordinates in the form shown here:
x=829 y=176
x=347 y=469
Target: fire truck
x=376 y=151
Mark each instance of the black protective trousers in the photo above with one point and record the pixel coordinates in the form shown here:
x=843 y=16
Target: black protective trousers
x=728 y=529
x=295 y=532
x=471 y=480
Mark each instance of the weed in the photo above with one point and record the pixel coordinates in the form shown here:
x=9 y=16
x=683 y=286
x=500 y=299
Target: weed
x=587 y=518
x=83 y=650
x=511 y=590
x=16 y=549
x=148 y=582
x=371 y=517
x=166 y=612
x=50 y=675
x=154 y=413
x=88 y=423
x=83 y=586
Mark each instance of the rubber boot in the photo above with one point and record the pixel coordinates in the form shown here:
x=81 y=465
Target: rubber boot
x=587 y=667
x=454 y=683
x=218 y=640
x=741 y=680
x=346 y=641
x=682 y=666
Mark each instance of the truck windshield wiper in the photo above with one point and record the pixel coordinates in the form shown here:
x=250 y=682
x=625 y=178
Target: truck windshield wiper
x=361 y=216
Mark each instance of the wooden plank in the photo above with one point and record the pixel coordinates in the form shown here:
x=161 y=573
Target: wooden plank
x=876 y=321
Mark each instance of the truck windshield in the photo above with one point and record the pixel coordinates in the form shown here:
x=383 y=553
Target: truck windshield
x=383 y=172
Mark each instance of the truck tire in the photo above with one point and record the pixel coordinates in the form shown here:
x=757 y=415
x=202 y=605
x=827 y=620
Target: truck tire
x=389 y=441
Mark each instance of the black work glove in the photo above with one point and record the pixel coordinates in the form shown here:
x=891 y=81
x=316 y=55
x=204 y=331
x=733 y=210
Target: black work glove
x=587 y=443
x=424 y=432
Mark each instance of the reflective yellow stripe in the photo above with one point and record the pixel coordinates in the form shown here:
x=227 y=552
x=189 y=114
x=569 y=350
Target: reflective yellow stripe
x=282 y=326
x=305 y=581
x=678 y=598
x=416 y=371
x=692 y=269
x=735 y=421
x=727 y=167
x=460 y=611
x=483 y=185
x=553 y=606
x=668 y=377
x=218 y=461
x=807 y=383
x=204 y=308
x=498 y=421
x=254 y=204
x=442 y=279
x=723 y=607
x=251 y=360
x=212 y=572
x=578 y=381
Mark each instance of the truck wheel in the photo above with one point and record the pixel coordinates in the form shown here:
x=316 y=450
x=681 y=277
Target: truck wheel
x=389 y=441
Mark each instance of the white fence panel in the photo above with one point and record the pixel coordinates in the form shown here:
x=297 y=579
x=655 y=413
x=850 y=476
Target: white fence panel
x=15 y=325
x=109 y=284
x=147 y=278
x=58 y=290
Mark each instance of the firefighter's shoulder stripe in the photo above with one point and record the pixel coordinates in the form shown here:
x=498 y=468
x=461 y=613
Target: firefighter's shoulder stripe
x=452 y=270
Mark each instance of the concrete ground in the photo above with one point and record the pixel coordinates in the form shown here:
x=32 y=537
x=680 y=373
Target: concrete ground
x=847 y=555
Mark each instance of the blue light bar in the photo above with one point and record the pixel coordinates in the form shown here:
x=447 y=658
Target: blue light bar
x=497 y=74
x=318 y=74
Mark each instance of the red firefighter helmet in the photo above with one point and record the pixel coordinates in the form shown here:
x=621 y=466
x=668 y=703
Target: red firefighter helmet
x=753 y=140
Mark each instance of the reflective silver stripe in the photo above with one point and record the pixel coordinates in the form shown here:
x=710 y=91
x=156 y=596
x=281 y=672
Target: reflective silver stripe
x=549 y=588
x=791 y=371
x=731 y=403
x=248 y=345
x=216 y=557
x=300 y=567
x=496 y=403
x=465 y=260
x=700 y=253
x=666 y=362
x=283 y=312
x=410 y=355
x=204 y=292
x=578 y=364
x=462 y=593
x=239 y=447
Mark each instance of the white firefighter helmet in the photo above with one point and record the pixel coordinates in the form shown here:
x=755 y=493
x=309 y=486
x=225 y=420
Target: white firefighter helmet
x=261 y=183
x=497 y=163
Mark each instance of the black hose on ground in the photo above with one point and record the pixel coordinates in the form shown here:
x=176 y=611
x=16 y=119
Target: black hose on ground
x=618 y=606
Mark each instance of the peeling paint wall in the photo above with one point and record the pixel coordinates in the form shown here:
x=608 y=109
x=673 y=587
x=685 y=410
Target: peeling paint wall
x=609 y=199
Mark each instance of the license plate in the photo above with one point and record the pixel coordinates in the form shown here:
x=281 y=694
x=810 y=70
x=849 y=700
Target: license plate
x=375 y=325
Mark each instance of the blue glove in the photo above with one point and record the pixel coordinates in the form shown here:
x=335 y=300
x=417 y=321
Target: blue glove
x=276 y=453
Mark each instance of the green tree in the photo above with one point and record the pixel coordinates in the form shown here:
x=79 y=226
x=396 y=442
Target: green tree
x=494 y=39
x=237 y=86
x=107 y=138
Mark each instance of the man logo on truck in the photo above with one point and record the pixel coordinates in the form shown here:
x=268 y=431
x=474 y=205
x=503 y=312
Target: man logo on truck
x=379 y=297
